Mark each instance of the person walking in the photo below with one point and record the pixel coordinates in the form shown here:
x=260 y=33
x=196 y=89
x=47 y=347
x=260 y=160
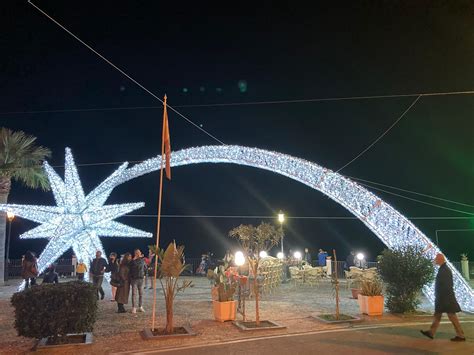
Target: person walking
x=97 y=269
x=445 y=301
x=51 y=276
x=137 y=278
x=123 y=289
x=29 y=269
x=81 y=269
x=113 y=268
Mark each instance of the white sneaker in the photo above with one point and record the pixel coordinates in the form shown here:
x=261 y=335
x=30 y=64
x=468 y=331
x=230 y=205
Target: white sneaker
x=141 y=309
x=134 y=310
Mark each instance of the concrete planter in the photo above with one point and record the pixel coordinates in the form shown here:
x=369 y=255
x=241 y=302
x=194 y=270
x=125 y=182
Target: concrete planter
x=180 y=332
x=76 y=342
x=347 y=318
x=371 y=305
x=251 y=326
x=224 y=311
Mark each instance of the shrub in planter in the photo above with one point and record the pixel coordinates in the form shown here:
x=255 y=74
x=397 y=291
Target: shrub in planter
x=404 y=271
x=54 y=310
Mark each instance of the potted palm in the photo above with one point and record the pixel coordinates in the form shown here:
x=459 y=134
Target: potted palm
x=225 y=283
x=371 y=300
x=170 y=268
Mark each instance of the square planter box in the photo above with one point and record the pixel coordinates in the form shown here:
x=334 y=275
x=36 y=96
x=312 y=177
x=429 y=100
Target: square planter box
x=371 y=305
x=224 y=311
x=76 y=341
x=179 y=332
x=344 y=318
x=264 y=325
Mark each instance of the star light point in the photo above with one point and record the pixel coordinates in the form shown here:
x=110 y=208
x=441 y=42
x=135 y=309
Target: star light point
x=77 y=221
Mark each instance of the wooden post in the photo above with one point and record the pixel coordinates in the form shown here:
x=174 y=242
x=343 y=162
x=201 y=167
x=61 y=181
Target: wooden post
x=336 y=281
x=157 y=248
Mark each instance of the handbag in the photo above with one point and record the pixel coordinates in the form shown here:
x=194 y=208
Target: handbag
x=116 y=282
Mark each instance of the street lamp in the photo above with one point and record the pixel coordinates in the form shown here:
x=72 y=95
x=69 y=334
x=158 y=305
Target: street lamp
x=10 y=217
x=281 y=219
x=263 y=254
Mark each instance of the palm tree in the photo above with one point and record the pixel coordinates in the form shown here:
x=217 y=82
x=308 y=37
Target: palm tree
x=20 y=160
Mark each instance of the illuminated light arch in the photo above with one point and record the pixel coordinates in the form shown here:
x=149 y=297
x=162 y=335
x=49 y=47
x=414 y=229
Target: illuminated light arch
x=391 y=227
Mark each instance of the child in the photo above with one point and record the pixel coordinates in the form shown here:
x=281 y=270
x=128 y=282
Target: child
x=81 y=269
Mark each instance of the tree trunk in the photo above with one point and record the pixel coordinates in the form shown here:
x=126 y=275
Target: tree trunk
x=169 y=317
x=5 y=184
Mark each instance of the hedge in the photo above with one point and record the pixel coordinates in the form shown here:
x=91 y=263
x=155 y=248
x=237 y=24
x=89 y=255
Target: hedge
x=54 y=310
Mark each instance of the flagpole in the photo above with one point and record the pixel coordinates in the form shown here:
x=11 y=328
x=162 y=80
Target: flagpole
x=159 y=219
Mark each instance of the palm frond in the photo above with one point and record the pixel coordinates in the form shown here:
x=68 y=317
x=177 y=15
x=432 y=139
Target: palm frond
x=21 y=159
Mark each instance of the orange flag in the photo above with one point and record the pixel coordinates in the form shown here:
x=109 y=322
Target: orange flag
x=167 y=142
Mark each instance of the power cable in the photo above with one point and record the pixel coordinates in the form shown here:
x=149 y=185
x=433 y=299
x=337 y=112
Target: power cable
x=412 y=192
x=248 y=103
x=381 y=136
x=415 y=200
x=123 y=72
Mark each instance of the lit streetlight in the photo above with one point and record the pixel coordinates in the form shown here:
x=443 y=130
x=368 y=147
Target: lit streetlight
x=281 y=219
x=263 y=254
x=297 y=255
x=10 y=217
x=239 y=258
x=280 y=255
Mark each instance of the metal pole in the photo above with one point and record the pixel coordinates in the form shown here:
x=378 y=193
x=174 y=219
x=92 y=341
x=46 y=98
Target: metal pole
x=437 y=243
x=281 y=226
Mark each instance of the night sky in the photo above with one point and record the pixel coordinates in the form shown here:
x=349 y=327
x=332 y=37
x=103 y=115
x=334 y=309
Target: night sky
x=199 y=55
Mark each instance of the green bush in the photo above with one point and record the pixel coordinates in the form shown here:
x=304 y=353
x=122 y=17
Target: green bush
x=404 y=271
x=54 y=310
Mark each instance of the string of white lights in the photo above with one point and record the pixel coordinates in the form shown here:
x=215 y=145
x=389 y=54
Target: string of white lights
x=79 y=217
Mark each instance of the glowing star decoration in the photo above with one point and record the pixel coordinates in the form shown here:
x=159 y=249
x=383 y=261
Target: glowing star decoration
x=77 y=221
x=393 y=229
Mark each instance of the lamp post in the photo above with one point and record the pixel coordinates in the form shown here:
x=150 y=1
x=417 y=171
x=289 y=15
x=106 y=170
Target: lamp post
x=239 y=260
x=10 y=217
x=281 y=219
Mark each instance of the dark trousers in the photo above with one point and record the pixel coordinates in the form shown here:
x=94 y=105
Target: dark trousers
x=97 y=282
x=80 y=276
x=30 y=282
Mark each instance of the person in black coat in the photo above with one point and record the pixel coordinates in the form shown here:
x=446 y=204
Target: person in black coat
x=445 y=301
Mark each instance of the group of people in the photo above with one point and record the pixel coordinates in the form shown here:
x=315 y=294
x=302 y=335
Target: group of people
x=130 y=273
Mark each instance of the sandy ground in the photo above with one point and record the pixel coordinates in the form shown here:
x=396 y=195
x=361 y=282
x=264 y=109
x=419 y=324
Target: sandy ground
x=288 y=305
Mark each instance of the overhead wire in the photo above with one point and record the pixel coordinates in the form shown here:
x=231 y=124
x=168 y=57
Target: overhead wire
x=248 y=103
x=124 y=73
x=381 y=136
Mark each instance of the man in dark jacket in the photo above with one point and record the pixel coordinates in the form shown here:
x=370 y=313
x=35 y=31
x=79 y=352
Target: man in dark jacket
x=445 y=301
x=137 y=277
x=97 y=269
